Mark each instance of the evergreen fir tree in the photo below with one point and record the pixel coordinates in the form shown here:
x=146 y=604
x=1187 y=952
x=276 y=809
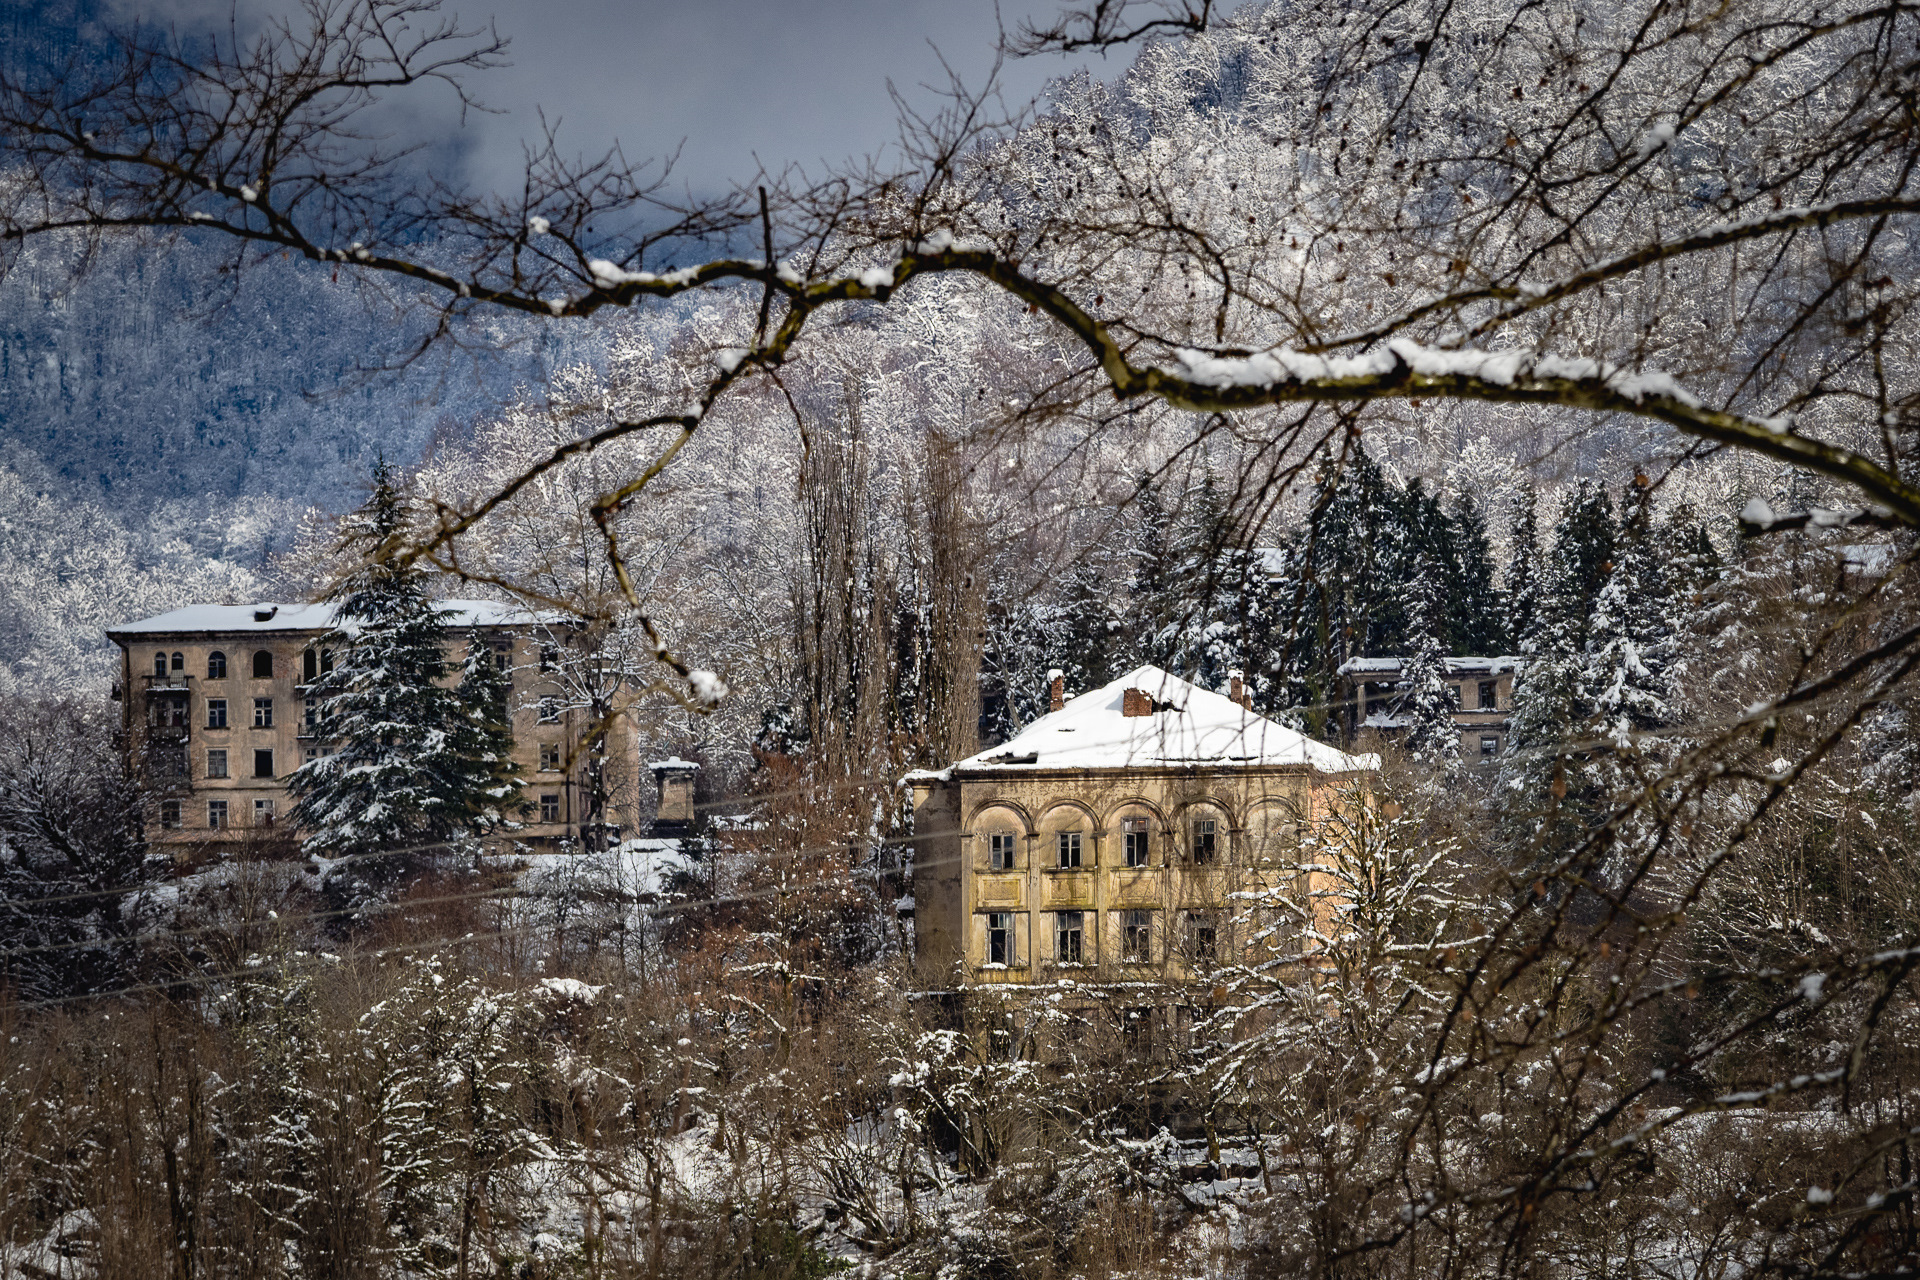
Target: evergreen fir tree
x=395 y=777
x=1548 y=802
x=1476 y=607
x=1523 y=569
x=1427 y=703
x=1625 y=684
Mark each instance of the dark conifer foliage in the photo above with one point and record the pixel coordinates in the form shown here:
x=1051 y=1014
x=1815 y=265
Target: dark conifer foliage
x=395 y=777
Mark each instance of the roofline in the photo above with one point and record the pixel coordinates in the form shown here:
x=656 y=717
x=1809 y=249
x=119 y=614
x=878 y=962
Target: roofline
x=1003 y=773
x=118 y=635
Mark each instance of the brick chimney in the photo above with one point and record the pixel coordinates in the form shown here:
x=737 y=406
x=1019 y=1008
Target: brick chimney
x=1136 y=702
x=1056 y=689
x=1237 y=689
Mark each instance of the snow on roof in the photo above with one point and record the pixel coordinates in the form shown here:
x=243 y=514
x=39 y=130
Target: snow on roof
x=1455 y=666
x=229 y=618
x=674 y=762
x=1189 y=726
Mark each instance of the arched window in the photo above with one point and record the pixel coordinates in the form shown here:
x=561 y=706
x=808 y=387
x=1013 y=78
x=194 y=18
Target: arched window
x=310 y=665
x=263 y=665
x=179 y=662
x=160 y=665
x=216 y=665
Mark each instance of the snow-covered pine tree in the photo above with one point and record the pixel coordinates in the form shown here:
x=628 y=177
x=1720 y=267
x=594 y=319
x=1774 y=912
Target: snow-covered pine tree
x=1546 y=800
x=1427 y=703
x=394 y=778
x=484 y=738
x=1625 y=685
x=1523 y=568
x=1476 y=607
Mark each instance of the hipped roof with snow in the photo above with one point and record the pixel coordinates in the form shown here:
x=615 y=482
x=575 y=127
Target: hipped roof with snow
x=226 y=619
x=1188 y=726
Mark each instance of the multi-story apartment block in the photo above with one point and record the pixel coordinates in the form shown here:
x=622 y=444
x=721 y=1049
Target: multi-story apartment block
x=217 y=713
x=1372 y=691
x=1115 y=842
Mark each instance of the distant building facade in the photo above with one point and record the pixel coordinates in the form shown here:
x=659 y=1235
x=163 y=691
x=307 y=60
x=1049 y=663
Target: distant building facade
x=1105 y=842
x=217 y=712
x=1371 y=693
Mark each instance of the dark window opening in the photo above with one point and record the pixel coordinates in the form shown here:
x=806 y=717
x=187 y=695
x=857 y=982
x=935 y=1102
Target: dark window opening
x=549 y=710
x=1069 y=846
x=1204 y=846
x=549 y=757
x=263 y=665
x=216 y=665
x=1136 y=936
x=169 y=813
x=1067 y=931
x=1490 y=746
x=160 y=665
x=263 y=762
x=310 y=665
x=1134 y=833
x=180 y=662
x=1000 y=851
x=1000 y=937
x=549 y=808
x=1203 y=938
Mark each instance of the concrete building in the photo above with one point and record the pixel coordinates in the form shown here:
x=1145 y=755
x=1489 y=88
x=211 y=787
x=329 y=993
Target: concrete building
x=1371 y=691
x=1105 y=843
x=216 y=713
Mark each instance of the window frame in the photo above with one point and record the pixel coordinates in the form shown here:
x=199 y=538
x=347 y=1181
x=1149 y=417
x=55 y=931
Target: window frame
x=550 y=806
x=1069 y=935
x=1000 y=932
x=216 y=665
x=1489 y=745
x=1202 y=937
x=160 y=665
x=1209 y=828
x=263 y=713
x=170 y=815
x=1002 y=851
x=1069 y=843
x=218 y=819
x=219 y=754
x=263 y=811
x=216 y=713
x=1136 y=839
x=552 y=759
x=549 y=712
x=1136 y=935
x=1489 y=695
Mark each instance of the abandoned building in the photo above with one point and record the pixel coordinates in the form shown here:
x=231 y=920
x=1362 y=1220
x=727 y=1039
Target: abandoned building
x=1371 y=692
x=1113 y=842
x=216 y=713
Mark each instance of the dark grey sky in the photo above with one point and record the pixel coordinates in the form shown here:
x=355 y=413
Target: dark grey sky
x=800 y=80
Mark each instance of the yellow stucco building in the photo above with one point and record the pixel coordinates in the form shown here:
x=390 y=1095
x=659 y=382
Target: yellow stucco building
x=1141 y=834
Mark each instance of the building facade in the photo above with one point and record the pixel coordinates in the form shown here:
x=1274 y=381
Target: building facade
x=1114 y=841
x=216 y=713
x=1371 y=691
